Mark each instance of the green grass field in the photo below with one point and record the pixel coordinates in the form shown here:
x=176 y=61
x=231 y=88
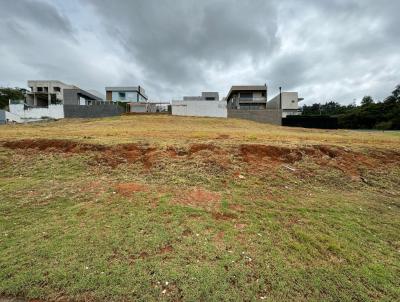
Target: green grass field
x=148 y=208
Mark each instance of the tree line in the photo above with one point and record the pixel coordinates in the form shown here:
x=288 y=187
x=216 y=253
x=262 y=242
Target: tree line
x=382 y=115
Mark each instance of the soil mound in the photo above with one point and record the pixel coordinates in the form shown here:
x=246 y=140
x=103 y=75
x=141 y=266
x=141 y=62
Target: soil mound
x=53 y=145
x=256 y=153
x=201 y=147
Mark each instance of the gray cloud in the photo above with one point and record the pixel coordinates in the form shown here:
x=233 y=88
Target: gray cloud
x=28 y=13
x=177 y=42
x=339 y=49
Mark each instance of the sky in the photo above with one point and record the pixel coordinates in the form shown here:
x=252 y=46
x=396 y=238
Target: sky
x=326 y=50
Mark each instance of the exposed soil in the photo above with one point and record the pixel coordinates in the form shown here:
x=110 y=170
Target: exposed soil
x=129 y=188
x=256 y=156
x=224 y=216
x=199 y=197
x=256 y=153
x=200 y=147
x=53 y=145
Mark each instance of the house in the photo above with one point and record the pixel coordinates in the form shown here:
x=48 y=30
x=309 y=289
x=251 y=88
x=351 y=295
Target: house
x=247 y=97
x=287 y=102
x=205 y=96
x=206 y=105
x=45 y=93
x=126 y=94
x=53 y=99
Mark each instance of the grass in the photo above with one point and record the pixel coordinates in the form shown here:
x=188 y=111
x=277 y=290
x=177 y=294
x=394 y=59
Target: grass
x=163 y=130
x=317 y=234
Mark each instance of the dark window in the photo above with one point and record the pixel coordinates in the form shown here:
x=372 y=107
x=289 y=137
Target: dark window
x=39 y=89
x=246 y=95
x=57 y=89
x=46 y=89
x=210 y=98
x=122 y=95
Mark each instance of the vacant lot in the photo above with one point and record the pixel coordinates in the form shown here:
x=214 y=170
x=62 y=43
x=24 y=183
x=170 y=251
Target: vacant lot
x=192 y=209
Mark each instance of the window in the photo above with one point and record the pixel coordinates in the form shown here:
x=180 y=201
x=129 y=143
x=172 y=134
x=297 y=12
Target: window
x=46 y=89
x=39 y=89
x=57 y=89
x=121 y=95
x=210 y=98
x=246 y=95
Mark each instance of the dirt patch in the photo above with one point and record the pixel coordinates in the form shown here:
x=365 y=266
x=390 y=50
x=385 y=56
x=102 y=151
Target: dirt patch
x=166 y=249
x=127 y=189
x=187 y=233
x=224 y=216
x=199 y=197
x=257 y=153
x=54 y=145
x=200 y=147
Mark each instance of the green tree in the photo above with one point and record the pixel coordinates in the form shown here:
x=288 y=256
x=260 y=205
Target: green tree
x=7 y=94
x=367 y=100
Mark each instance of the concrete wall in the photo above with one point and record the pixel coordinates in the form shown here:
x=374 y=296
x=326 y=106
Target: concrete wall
x=6 y=116
x=200 y=108
x=290 y=100
x=29 y=114
x=101 y=110
x=11 y=117
x=261 y=116
x=2 y=117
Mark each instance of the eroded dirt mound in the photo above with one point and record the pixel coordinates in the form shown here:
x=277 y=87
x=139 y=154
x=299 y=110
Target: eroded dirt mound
x=127 y=153
x=218 y=158
x=53 y=145
x=200 y=147
x=256 y=153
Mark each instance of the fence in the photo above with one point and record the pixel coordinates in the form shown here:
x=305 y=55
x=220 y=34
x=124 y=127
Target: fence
x=92 y=111
x=261 y=116
x=320 y=122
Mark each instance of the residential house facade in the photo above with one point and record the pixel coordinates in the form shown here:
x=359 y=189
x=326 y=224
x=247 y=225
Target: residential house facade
x=247 y=97
x=128 y=94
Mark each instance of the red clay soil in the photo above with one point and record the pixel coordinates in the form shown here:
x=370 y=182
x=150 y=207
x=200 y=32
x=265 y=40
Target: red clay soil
x=199 y=197
x=256 y=153
x=53 y=145
x=127 y=189
x=257 y=156
x=200 y=147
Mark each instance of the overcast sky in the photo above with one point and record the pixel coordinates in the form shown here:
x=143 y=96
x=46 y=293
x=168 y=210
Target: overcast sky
x=326 y=50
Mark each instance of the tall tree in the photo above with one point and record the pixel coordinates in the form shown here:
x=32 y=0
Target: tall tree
x=367 y=100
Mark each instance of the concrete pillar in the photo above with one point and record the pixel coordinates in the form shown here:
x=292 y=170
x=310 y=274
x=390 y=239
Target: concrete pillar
x=34 y=99
x=49 y=99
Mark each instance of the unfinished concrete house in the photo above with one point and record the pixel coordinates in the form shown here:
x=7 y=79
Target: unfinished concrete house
x=55 y=100
x=45 y=93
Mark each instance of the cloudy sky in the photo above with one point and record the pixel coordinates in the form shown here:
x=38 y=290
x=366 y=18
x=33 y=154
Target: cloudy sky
x=327 y=50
